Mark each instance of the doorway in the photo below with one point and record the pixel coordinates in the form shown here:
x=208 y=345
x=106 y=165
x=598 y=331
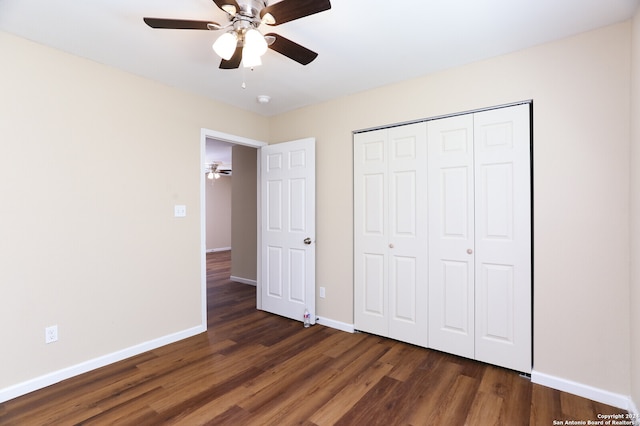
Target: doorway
x=218 y=190
x=227 y=139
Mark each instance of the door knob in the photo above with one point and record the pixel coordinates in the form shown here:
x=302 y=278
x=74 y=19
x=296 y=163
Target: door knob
x=307 y=241
x=391 y=245
x=469 y=251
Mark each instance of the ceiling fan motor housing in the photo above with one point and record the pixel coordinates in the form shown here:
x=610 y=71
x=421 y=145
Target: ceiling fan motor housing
x=251 y=8
x=247 y=17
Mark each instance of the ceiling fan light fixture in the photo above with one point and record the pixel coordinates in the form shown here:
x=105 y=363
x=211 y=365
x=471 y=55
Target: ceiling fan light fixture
x=268 y=19
x=210 y=175
x=254 y=40
x=230 y=9
x=250 y=58
x=225 y=45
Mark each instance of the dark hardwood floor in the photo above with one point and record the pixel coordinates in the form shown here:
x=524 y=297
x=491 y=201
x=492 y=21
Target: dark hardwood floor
x=253 y=368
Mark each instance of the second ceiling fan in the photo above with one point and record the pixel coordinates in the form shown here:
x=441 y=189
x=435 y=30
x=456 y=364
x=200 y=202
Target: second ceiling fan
x=243 y=42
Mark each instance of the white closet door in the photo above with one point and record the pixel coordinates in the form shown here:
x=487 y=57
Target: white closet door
x=503 y=237
x=390 y=236
x=407 y=243
x=451 y=233
x=371 y=261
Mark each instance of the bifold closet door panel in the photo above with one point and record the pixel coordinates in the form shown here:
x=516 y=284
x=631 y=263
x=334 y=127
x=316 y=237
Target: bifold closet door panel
x=503 y=237
x=390 y=233
x=371 y=258
x=451 y=235
x=408 y=233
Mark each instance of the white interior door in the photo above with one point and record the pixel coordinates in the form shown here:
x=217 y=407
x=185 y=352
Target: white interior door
x=451 y=235
x=287 y=231
x=407 y=244
x=371 y=257
x=503 y=237
x=390 y=237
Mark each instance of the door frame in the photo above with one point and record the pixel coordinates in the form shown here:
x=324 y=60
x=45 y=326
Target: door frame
x=236 y=140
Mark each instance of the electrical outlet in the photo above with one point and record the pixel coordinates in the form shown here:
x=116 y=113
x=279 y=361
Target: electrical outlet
x=51 y=334
x=322 y=292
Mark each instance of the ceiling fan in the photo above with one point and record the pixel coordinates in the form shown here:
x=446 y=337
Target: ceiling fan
x=215 y=170
x=243 y=42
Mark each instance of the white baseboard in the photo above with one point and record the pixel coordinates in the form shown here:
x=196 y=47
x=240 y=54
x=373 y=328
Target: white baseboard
x=75 y=370
x=349 y=328
x=213 y=250
x=600 y=395
x=243 y=280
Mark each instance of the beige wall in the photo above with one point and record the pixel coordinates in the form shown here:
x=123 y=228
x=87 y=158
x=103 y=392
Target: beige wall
x=580 y=88
x=218 y=210
x=92 y=161
x=89 y=241
x=244 y=224
x=635 y=213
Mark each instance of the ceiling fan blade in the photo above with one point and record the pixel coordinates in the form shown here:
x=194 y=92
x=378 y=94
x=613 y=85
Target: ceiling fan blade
x=288 y=10
x=179 y=24
x=292 y=49
x=234 y=62
x=222 y=3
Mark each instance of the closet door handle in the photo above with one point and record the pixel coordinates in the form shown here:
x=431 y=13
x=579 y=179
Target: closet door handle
x=307 y=241
x=391 y=245
x=469 y=251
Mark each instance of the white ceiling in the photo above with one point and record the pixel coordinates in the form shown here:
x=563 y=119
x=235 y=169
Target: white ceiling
x=362 y=44
x=217 y=151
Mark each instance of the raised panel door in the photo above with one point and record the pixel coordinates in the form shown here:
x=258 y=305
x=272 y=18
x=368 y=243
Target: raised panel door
x=390 y=233
x=371 y=232
x=407 y=248
x=451 y=232
x=503 y=237
x=287 y=176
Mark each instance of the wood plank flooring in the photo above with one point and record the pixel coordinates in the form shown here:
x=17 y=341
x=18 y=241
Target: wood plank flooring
x=253 y=368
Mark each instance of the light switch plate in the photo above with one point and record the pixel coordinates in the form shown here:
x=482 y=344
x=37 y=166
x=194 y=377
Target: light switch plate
x=179 y=210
